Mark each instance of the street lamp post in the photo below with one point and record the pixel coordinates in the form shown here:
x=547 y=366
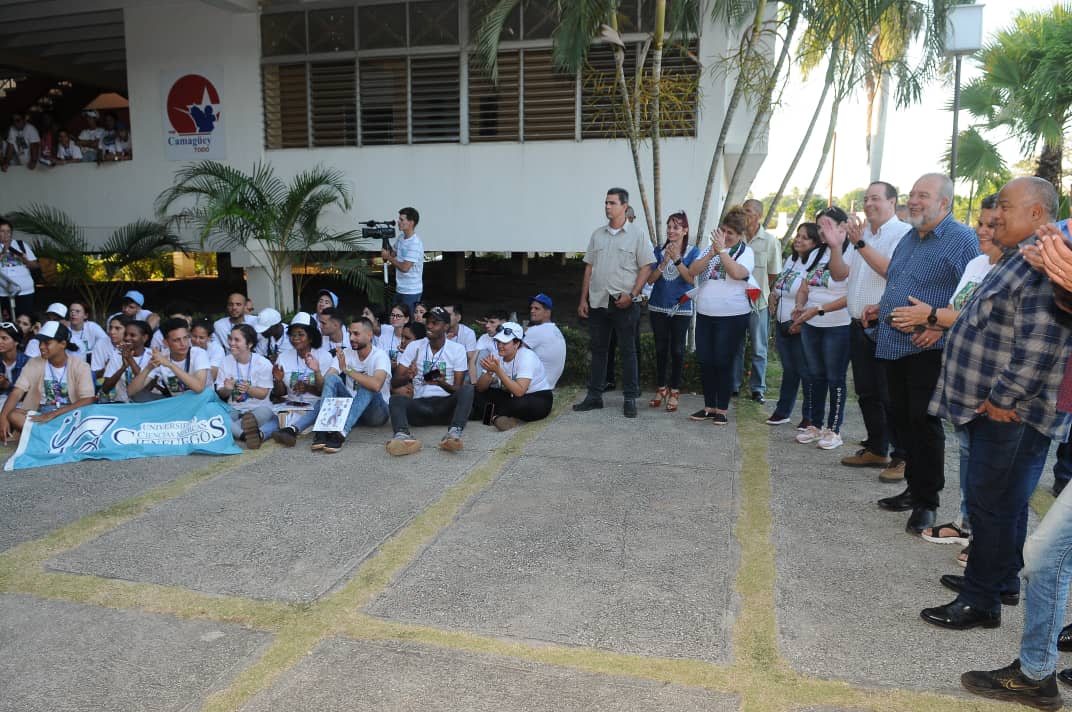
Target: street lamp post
x=963 y=35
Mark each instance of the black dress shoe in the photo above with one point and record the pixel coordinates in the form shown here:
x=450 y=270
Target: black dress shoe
x=898 y=503
x=956 y=583
x=609 y=386
x=922 y=518
x=629 y=408
x=1064 y=641
x=960 y=616
x=588 y=404
x=1065 y=676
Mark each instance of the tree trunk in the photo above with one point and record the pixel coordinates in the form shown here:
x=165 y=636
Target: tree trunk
x=656 y=120
x=877 y=140
x=765 y=107
x=807 y=137
x=1049 y=164
x=731 y=109
x=835 y=105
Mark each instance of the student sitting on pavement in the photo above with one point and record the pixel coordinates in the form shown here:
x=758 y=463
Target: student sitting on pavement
x=180 y=368
x=244 y=383
x=436 y=368
x=298 y=376
x=52 y=385
x=401 y=385
x=513 y=384
x=126 y=363
x=11 y=358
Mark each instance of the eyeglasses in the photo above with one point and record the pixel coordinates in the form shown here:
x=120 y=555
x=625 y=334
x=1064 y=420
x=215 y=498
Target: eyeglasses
x=509 y=331
x=398 y=316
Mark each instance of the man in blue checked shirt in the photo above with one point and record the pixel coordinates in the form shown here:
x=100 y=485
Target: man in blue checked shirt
x=1004 y=362
x=927 y=266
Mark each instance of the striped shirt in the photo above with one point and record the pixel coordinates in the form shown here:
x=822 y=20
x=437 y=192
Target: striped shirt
x=1009 y=345
x=928 y=268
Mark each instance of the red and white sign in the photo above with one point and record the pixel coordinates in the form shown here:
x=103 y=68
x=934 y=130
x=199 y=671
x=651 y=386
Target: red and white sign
x=193 y=115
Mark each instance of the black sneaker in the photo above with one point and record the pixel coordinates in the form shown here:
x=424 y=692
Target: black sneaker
x=803 y=425
x=778 y=419
x=319 y=438
x=720 y=419
x=333 y=443
x=1009 y=684
x=286 y=436
x=588 y=404
x=758 y=397
x=701 y=415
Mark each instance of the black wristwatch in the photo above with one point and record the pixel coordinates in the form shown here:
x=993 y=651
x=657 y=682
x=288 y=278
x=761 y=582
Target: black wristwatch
x=822 y=312
x=860 y=244
x=677 y=262
x=933 y=318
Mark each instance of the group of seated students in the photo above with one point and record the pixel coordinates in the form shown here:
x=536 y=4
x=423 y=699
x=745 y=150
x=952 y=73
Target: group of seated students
x=47 y=144
x=274 y=375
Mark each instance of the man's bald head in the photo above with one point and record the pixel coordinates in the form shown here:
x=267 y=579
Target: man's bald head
x=1024 y=204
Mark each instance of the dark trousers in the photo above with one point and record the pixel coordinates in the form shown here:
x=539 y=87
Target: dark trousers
x=717 y=341
x=450 y=410
x=24 y=304
x=612 y=353
x=623 y=323
x=795 y=373
x=1005 y=461
x=669 y=332
x=911 y=382
x=1062 y=468
x=872 y=391
x=529 y=407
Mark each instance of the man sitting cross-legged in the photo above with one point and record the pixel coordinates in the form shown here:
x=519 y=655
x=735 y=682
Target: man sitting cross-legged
x=436 y=368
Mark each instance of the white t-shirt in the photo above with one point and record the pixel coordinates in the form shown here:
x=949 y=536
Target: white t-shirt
x=89 y=337
x=389 y=342
x=466 y=337
x=215 y=353
x=296 y=371
x=721 y=295
x=549 y=344
x=222 y=330
x=102 y=354
x=450 y=358
x=21 y=140
x=865 y=285
x=526 y=364
x=377 y=360
x=115 y=363
x=115 y=148
x=13 y=268
x=974 y=273
x=258 y=373
x=162 y=374
x=70 y=152
x=264 y=343
x=410 y=249
x=823 y=289
x=786 y=287
x=94 y=135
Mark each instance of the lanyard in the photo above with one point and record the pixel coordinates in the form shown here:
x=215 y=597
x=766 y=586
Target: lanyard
x=58 y=380
x=128 y=375
x=432 y=357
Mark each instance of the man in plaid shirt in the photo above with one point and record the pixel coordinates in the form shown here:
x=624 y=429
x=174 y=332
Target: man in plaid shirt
x=1004 y=360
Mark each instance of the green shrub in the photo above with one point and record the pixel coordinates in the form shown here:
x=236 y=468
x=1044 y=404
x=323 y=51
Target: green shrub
x=579 y=362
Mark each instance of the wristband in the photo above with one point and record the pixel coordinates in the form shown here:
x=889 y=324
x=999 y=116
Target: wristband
x=677 y=262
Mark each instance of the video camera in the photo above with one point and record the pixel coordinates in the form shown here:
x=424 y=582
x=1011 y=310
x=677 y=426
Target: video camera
x=383 y=230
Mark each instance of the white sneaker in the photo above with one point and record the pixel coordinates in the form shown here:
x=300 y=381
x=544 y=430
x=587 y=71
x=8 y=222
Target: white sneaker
x=808 y=435
x=829 y=440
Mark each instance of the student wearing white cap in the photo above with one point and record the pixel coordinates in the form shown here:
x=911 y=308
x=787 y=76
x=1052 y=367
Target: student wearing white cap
x=56 y=311
x=273 y=334
x=51 y=385
x=514 y=383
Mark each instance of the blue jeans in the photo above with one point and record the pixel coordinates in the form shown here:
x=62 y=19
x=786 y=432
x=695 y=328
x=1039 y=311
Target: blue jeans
x=826 y=350
x=368 y=407
x=795 y=373
x=1047 y=576
x=717 y=340
x=964 y=441
x=1004 y=466
x=410 y=300
x=759 y=333
x=266 y=418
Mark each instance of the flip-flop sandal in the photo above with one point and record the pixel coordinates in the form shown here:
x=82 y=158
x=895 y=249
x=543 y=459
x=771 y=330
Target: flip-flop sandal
x=946 y=534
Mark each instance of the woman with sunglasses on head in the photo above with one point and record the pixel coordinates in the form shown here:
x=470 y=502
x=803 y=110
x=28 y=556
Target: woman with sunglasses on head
x=670 y=309
x=513 y=384
x=824 y=322
x=84 y=332
x=723 y=310
x=12 y=359
x=390 y=338
x=127 y=362
x=244 y=382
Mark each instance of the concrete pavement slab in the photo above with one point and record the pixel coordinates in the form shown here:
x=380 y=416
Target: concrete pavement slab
x=851 y=583
x=290 y=527
x=632 y=558
x=67 y=657
x=348 y=676
x=36 y=501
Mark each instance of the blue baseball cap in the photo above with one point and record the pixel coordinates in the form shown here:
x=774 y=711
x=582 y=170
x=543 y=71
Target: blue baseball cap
x=135 y=296
x=542 y=299
x=334 y=297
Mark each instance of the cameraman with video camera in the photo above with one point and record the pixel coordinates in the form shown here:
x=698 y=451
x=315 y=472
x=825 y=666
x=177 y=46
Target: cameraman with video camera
x=408 y=259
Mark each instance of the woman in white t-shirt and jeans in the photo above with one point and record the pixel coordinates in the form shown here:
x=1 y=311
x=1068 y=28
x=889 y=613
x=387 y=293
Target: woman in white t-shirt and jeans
x=723 y=310
x=244 y=382
x=514 y=381
x=824 y=331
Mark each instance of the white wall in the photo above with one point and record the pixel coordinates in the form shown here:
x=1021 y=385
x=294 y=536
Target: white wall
x=538 y=196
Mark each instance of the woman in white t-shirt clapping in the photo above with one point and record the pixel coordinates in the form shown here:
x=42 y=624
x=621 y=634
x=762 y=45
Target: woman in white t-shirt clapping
x=514 y=383
x=723 y=309
x=824 y=330
x=244 y=381
x=390 y=337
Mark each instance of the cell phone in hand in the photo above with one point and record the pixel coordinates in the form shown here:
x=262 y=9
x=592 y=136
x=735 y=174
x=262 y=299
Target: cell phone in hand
x=489 y=414
x=434 y=375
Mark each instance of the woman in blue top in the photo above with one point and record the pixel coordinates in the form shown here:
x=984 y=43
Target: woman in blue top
x=670 y=309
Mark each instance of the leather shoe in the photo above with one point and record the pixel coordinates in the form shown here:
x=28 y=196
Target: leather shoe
x=1064 y=642
x=960 y=616
x=629 y=408
x=588 y=404
x=1065 y=676
x=898 y=503
x=956 y=583
x=922 y=518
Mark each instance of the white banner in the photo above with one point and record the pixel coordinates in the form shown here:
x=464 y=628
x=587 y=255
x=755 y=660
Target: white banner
x=193 y=114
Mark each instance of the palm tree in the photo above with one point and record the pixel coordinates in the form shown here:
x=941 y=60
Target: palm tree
x=980 y=162
x=95 y=273
x=277 y=223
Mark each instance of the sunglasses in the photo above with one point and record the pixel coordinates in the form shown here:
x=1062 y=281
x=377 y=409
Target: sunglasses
x=509 y=331
x=7 y=325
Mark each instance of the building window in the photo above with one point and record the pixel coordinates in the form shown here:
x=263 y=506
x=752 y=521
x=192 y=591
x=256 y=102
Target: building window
x=402 y=72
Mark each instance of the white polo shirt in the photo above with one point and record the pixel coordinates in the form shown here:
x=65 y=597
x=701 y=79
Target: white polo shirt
x=865 y=285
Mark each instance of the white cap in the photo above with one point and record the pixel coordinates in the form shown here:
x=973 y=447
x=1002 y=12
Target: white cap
x=508 y=331
x=267 y=319
x=52 y=330
x=301 y=319
x=58 y=309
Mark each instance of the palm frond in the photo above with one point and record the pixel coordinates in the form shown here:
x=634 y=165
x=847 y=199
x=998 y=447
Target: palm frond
x=58 y=232
x=490 y=35
x=579 y=24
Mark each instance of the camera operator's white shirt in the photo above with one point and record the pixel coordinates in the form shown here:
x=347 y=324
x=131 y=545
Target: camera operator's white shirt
x=410 y=249
x=450 y=358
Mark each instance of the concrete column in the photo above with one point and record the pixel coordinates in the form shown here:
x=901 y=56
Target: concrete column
x=519 y=263
x=457 y=260
x=260 y=287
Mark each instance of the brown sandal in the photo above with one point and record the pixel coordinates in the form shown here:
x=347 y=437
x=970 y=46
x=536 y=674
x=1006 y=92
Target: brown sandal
x=671 y=401
x=658 y=399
